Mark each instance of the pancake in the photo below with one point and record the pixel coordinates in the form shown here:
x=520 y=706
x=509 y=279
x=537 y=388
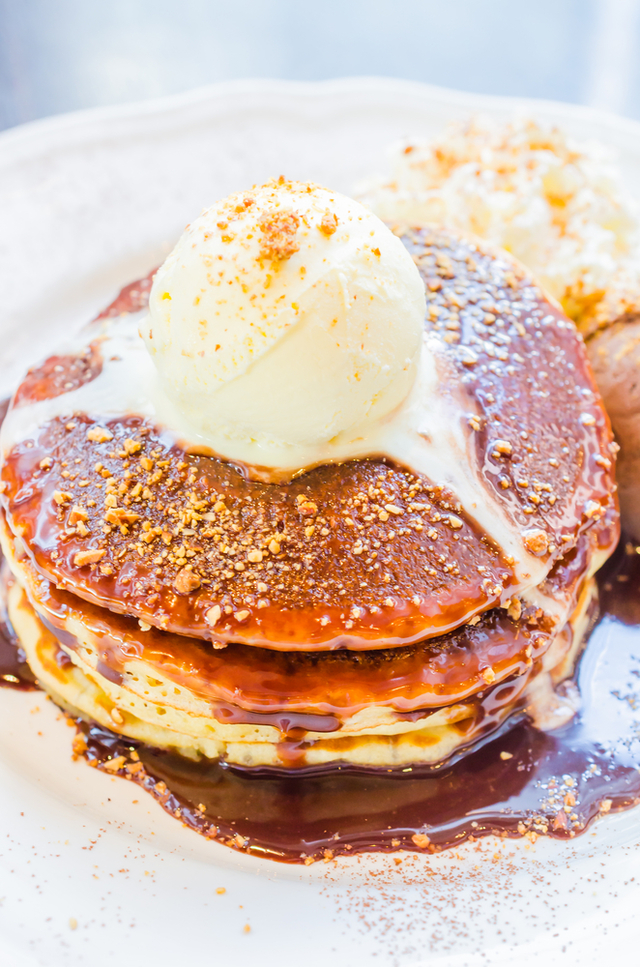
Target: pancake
x=367 y=611
x=338 y=684
x=155 y=711
x=256 y=707
x=130 y=520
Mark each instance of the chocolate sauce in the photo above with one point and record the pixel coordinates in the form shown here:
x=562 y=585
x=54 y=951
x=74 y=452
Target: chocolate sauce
x=522 y=782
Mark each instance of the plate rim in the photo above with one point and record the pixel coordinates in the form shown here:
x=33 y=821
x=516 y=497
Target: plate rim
x=86 y=124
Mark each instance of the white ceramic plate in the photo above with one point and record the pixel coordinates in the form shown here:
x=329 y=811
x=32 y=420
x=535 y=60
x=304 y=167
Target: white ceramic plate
x=88 y=202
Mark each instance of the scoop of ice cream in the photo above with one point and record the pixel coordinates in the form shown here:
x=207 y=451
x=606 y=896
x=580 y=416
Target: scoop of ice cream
x=287 y=317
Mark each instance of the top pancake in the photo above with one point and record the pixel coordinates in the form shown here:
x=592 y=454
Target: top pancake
x=360 y=555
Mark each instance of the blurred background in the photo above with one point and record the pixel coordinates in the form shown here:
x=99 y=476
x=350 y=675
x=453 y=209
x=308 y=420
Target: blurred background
x=61 y=55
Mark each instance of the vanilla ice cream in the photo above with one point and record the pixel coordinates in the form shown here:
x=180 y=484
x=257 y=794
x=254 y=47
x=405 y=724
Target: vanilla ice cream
x=286 y=318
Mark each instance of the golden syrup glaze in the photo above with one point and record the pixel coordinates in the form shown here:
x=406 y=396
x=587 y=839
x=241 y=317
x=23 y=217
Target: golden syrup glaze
x=279 y=561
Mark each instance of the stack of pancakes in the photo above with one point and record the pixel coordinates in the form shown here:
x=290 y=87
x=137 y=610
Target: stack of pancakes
x=356 y=613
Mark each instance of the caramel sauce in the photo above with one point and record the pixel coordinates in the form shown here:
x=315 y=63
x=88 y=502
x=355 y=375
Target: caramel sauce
x=278 y=685
x=475 y=719
x=14 y=670
x=543 y=437
x=522 y=782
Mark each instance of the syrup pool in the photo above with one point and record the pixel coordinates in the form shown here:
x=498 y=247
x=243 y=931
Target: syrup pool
x=522 y=782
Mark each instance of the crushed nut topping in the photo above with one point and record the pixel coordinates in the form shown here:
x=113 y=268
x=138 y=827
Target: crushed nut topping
x=279 y=230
